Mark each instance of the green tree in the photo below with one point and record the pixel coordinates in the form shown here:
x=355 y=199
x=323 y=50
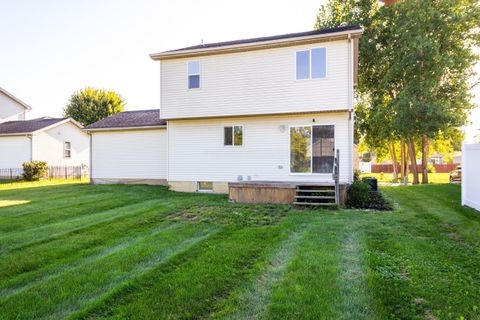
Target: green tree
x=416 y=59
x=91 y=105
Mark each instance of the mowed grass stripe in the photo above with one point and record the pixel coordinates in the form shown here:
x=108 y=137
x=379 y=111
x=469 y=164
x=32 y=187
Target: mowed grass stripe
x=16 y=285
x=70 y=208
x=76 y=289
x=251 y=301
x=36 y=206
x=192 y=284
x=24 y=262
x=41 y=233
x=310 y=283
x=420 y=270
x=355 y=301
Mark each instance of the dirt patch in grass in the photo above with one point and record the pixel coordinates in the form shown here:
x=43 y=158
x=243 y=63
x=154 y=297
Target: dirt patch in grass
x=260 y=215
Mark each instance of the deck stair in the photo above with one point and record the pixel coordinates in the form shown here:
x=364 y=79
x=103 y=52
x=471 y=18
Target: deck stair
x=316 y=195
x=321 y=194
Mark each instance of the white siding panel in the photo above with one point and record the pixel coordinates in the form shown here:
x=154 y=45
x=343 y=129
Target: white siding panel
x=197 y=153
x=255 y=82
x=14 y=151
x=10 y=110
x=48 y=146
x=129 y=154
x=471 y=175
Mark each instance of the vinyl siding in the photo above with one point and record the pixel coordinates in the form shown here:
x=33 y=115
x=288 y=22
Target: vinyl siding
x=14 y=151
x=197 y=153
x=48 y=146
x=10 y=110
x=138 y=154
x=256 y=82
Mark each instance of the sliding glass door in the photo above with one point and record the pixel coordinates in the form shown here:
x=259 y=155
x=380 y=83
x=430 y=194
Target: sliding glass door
x=312 y=149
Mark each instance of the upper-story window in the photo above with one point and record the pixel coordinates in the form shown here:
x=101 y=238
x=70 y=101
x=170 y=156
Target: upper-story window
x=311 y=64
x=193 y=74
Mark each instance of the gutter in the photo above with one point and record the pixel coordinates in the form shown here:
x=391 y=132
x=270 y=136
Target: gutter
x=342 y=35
x=123 y=129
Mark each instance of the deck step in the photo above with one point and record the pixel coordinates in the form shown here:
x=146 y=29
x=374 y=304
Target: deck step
x=319 y=191
x=315 y=197
x=314 y=203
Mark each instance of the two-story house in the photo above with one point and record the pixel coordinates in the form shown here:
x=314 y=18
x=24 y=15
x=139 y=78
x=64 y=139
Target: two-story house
x=271 y=109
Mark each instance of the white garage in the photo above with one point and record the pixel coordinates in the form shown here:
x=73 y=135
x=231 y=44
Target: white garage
x=129 y=147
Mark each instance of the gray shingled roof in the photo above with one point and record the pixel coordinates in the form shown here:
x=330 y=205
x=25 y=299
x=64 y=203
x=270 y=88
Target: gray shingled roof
x=271 y=38
x=27 y=126
x=130 y=119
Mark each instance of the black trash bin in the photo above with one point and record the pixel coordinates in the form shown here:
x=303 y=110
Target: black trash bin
x=372 y=182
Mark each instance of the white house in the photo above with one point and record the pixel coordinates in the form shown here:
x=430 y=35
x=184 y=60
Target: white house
x=129 y=147
x=272 y=109
x=58 y=141
x=12 y=108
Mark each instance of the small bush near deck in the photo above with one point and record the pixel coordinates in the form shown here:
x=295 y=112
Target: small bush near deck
x=377 y=201
x=358 y=195
x=35 y=170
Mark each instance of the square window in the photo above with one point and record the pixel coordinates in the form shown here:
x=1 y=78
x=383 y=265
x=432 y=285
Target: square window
x=233 y=136
x=311 y=64
x=205 y=186
x=193 y=82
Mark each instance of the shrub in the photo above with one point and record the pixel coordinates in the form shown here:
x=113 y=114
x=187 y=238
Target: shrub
x=35 y=170
x=430 y=168
x=358 y=195
x=377 y=201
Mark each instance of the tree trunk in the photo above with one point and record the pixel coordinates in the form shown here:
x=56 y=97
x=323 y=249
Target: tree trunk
x=425 y=144
x=413 y=160
x=407 y=171
x=403 y=170
x=394 y=160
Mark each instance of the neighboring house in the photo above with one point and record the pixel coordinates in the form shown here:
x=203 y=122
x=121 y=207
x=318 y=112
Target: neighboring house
x=129 y=147
x=11 y=108
x=264 y=109
x=59 y=142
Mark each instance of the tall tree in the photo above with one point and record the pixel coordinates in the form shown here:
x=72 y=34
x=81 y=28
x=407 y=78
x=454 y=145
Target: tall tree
x=416 y=59
x=91 y=105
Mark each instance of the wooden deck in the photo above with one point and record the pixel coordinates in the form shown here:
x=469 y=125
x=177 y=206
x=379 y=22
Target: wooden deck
x=279 y=192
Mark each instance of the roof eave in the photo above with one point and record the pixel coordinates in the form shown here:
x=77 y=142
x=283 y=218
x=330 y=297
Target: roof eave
x=124 y=128
x=11 y=96
x=341 y=35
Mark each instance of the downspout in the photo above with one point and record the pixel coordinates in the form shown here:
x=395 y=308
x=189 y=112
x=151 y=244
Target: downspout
x=91 y=156
x=29 y=136
x=351 y=115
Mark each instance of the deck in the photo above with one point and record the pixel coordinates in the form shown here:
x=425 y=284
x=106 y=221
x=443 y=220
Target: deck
x=286 y=192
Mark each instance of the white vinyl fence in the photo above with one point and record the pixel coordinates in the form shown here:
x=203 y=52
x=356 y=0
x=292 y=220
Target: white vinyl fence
x=471 y=175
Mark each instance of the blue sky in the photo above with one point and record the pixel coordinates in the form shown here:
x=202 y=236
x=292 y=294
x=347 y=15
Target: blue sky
x=51 y=48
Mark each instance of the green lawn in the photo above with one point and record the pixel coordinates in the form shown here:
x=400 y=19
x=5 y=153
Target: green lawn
x=432 y=177
x=140 y=252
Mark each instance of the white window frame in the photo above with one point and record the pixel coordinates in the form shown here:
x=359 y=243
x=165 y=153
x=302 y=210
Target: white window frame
x=65 y=149
x=194 y=74
x=311 y=157
x=310 y=66
x=233 y=135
